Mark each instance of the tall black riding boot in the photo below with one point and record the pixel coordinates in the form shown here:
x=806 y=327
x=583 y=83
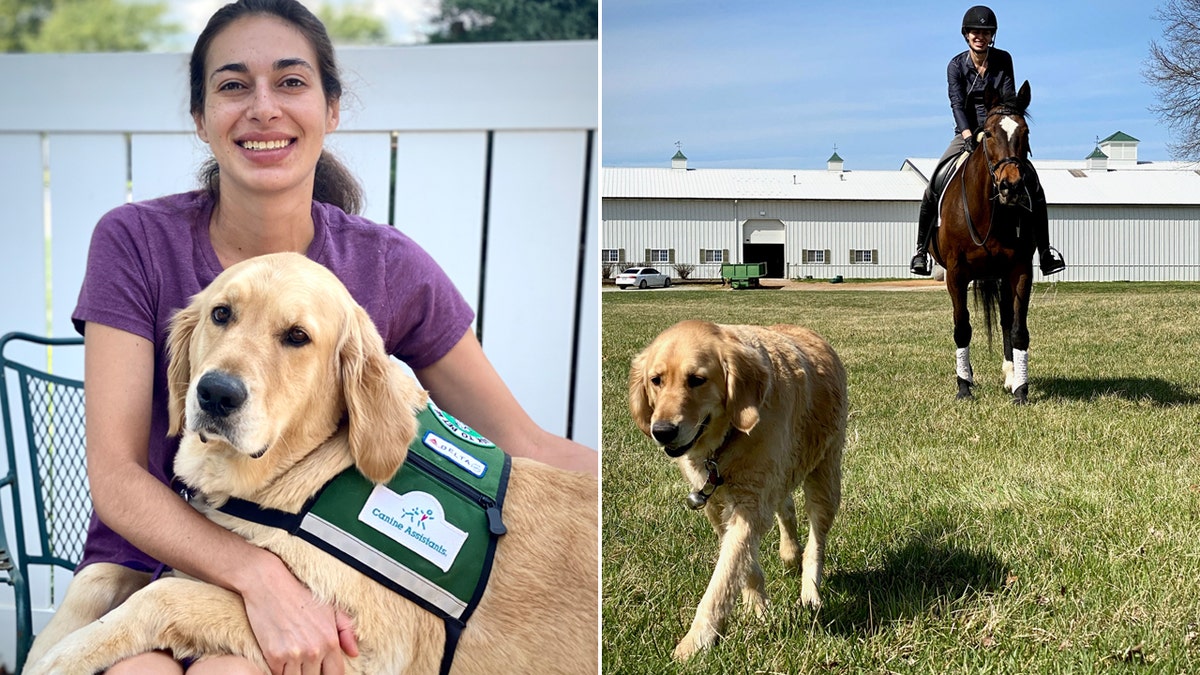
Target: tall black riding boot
x=1050 y=260
x=920 y=261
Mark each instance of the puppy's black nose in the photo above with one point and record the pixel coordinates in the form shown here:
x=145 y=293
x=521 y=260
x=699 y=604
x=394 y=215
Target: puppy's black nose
x=664 y=432
x=220 y=394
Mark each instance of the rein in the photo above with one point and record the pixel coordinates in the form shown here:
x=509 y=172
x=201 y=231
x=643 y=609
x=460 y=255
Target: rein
x=992 y=168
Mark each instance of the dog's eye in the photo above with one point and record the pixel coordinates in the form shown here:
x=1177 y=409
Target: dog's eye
x=296 y=337
x=221 y=315
x=696 y=380
x=656 y=380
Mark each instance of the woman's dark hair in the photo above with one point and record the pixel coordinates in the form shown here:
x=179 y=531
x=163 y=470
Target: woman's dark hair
x=333 y=184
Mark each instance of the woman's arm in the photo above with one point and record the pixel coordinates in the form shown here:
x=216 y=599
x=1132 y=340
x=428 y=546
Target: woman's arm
x=291 y=627
x=956 y=89
x=464 y=383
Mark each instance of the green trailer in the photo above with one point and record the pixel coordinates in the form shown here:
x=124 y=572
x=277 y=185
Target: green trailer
x=743 y=275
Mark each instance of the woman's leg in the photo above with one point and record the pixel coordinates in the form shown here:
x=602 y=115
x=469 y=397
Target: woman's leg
x=1050 y=260
x=224 y=665
x=152 y=663
x=928 y=213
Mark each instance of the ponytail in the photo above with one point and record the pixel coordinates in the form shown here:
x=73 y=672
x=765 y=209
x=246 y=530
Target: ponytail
x=333 y=184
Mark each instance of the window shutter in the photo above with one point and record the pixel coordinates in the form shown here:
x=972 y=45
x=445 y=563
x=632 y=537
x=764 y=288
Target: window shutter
x=874 y=256
x=724 y=255
x=828 y=259
x=804 y=257
x=647 y=258
x=851 y=256
x=620 y=256
x=670 y=255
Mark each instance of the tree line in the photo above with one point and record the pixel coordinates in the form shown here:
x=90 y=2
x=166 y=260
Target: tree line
x=125 y=25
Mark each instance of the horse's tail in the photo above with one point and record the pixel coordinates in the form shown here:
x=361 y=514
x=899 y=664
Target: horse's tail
x=987 y=298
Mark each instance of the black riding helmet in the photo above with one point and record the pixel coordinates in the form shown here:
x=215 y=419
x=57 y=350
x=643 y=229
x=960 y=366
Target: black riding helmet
x=979 y=17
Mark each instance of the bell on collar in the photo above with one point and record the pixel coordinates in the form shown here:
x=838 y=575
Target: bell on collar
x=698 y=498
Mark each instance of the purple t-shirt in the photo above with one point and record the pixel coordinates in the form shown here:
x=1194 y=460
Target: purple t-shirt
x=149 y=258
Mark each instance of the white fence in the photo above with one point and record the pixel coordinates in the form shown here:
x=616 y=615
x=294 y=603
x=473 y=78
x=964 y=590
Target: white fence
x=494 y=150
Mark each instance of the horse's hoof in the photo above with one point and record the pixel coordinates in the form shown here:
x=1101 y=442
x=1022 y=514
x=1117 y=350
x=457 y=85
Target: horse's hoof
x=964 y=389
x=1021 y=395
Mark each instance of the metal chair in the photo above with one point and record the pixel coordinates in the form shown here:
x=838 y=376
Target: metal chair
x=47 y=473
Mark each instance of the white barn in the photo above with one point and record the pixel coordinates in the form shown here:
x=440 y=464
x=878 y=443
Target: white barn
x=1113 y=217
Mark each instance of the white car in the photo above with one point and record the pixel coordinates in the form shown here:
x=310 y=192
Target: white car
x=642 y=277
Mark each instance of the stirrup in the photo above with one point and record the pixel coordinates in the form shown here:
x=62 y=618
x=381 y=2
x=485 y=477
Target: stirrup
x=920 y=265
x=1051 y=262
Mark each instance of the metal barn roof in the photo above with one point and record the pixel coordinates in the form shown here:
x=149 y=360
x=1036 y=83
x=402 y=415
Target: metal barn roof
x=1070 y=182
x=1065 y=182
x=661 y=183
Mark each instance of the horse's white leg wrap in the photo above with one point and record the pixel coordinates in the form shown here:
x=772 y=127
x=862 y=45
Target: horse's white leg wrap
x=962 y=357
x=1020 y=368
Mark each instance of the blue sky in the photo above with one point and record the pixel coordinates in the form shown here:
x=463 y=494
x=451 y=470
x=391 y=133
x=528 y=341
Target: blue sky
x=778 y=83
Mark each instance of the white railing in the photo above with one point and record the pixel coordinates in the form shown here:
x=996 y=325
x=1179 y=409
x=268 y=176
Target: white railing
x=494 y=150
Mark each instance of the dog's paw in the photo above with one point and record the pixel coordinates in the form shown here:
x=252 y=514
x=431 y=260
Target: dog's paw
x=809 y=597
x=694 y=642
x=756 y=603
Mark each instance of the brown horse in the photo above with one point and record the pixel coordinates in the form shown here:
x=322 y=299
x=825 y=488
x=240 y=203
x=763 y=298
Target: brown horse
x=986 y=236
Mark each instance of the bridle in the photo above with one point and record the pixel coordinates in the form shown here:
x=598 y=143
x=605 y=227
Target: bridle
x=992 y=168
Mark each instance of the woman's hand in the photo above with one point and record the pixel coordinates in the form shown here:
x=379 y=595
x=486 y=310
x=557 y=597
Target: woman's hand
x=297 y=634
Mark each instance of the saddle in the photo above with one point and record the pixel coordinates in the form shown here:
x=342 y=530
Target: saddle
x=945 y=169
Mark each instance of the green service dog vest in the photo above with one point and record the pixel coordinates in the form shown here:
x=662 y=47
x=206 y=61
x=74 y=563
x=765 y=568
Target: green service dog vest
x=429 y=534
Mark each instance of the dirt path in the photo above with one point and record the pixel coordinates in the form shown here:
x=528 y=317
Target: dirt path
x=888 y=285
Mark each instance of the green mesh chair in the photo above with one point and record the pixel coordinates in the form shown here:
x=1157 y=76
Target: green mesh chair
x=47 y=472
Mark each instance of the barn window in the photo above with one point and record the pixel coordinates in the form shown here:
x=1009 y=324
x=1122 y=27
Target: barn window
x=612 y=255
x=860 y=256
x=658 y=256
x=708 y=255
x=815 y=256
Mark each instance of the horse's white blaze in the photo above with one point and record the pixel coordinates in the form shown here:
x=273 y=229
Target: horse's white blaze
x=1010 y=126
x=962 y=358
x=1020 y=368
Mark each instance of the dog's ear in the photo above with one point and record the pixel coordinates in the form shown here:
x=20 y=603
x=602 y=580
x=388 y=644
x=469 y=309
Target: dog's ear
x=747 y=377
x=381 y=400
x=179 y=366
x=639 y=400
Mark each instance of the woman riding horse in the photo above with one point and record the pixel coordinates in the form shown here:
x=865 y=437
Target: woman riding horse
x=969 y=74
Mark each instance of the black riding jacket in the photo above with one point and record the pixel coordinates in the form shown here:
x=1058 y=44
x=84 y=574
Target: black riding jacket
x=966 y=86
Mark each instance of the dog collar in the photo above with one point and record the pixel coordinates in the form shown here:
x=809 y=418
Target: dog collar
x=696 y=499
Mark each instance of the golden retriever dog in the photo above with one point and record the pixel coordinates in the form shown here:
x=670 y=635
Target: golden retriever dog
x=748 y=413
x=321 y=395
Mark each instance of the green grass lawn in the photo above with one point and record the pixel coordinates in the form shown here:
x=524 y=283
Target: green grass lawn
x=974 y=536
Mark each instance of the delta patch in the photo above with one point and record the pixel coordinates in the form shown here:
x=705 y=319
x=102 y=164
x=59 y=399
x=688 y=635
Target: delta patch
x=452 y=452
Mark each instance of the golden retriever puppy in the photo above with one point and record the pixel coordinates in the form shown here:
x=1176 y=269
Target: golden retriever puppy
x=316 y=393
x=748 y=413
